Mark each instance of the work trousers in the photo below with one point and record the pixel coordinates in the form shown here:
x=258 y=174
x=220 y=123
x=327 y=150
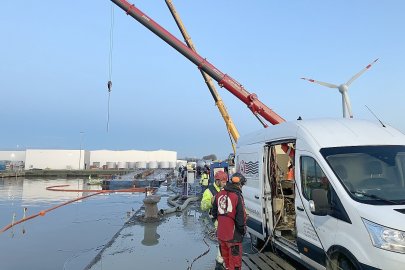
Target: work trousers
x=232 y=254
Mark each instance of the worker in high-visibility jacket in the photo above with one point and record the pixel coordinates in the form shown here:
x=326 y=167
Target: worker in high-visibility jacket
x=221 y=178
x=212 y=190
x=204 y=180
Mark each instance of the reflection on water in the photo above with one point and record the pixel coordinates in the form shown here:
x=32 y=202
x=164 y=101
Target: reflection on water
x=35 y=191
x=172 y=243
x=150 y=235
x=66 y=238
x=90 y=233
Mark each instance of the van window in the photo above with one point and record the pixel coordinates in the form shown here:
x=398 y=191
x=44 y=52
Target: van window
x=312 y=177
x=373 y=174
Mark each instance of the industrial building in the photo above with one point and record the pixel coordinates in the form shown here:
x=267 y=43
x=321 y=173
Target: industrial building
x=60 y=159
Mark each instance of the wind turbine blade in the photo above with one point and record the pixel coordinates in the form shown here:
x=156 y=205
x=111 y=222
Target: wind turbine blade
x=321 y=83
x=361 y=72
x=348 y=105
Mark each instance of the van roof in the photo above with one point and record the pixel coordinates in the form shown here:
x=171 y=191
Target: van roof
x=329 y=132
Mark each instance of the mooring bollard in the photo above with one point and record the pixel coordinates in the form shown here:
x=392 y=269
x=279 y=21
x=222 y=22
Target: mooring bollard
x=151 y=209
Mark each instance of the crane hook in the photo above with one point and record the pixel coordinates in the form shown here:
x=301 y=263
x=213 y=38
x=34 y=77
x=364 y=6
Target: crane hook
x=109 y=85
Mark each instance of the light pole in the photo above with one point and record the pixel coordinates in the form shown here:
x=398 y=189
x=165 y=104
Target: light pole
x=80 y=151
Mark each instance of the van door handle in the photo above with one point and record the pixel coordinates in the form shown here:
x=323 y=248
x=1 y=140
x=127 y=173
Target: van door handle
x=257 y=196
x=299 y=208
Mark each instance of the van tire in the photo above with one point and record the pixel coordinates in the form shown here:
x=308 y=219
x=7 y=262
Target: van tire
x=339 y=261
x=256 y=242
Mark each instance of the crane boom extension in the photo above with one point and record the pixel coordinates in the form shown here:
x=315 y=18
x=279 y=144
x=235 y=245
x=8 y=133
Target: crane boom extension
x=232 y=130
x=224 y=80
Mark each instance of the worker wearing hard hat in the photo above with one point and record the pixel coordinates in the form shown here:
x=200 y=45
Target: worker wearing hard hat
x=220 y=178
x=229 y=210
x=208 y=198
x=204 y=180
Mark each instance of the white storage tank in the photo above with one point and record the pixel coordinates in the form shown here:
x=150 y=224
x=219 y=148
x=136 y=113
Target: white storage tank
x=122 y=165
x=110 y=165
x=172 y=164
x=140 y=165
x=164 y=164
x=152 y=165
x=131 y=165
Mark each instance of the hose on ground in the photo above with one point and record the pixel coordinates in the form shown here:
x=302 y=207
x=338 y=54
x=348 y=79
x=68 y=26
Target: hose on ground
x=201 y=255
x=58 y=188
x=176 y=206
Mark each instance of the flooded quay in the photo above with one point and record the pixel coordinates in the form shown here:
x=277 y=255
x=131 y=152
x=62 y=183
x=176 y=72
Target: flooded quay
x=100 y=232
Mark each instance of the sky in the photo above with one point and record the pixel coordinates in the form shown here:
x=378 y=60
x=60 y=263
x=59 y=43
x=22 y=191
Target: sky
x=54 y=68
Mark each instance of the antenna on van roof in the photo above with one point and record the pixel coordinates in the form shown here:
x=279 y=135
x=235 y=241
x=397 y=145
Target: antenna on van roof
x=375 y=115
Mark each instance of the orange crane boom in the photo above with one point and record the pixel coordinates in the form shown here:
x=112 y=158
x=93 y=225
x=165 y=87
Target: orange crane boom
x=224 y=80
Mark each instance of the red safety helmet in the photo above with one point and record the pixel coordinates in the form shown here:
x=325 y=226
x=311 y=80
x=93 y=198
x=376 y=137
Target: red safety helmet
x=221 y=175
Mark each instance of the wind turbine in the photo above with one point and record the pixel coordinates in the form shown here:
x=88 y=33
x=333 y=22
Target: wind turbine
x=343 y=88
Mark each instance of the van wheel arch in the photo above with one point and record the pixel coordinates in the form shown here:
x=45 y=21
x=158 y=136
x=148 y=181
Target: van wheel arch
x=341 y=258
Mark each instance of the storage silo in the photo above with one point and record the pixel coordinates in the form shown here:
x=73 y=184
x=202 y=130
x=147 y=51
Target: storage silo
x=110 y=165
x=172 y=164
x=122 y=165
x=140 y=165
x=131 y=165
x=152 y=165
x=164 y=164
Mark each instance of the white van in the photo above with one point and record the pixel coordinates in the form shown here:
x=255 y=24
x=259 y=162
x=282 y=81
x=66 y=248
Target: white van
x=342 y=204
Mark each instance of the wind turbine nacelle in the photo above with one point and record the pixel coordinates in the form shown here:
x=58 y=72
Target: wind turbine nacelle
x=343 y=88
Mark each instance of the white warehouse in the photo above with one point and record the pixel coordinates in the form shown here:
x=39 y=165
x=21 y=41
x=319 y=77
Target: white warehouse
x=56 y=159
x=82 y=159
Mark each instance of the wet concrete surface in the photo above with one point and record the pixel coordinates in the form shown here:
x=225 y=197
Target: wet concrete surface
x=172 y=243
x=102 y=232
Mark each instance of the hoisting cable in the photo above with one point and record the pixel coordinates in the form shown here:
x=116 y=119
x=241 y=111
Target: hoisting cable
x=58 y=188
x=110 y=60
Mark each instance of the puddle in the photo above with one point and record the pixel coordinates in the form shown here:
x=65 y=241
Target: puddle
x=98 y=233
x=172 y=243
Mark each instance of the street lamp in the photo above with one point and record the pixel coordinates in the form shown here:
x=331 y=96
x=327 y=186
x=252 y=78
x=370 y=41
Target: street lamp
x=80 y=151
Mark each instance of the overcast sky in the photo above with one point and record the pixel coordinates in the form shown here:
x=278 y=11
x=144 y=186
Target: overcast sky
x=54 y=68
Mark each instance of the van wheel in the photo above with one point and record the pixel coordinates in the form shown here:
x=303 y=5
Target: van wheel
x=256 y=242
x=341 y=262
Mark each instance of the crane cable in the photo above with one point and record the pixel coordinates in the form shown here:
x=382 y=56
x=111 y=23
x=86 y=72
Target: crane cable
x=110 y=60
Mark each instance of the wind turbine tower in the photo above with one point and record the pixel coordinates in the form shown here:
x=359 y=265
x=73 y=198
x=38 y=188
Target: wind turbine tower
x=343 y=89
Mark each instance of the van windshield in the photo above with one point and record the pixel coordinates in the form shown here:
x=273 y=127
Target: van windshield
x=370 y=174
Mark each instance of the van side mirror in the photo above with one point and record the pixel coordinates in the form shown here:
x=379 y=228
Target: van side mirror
x=319 y=205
